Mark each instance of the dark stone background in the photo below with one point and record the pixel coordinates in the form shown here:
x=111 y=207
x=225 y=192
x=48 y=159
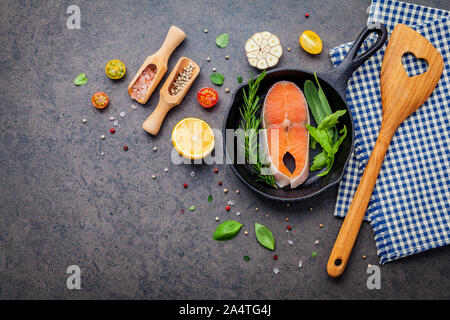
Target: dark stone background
x=63 y=203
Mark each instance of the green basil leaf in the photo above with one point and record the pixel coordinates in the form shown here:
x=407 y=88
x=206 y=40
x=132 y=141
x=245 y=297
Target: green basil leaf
x=264 y=236
x=217 y=78
x=222 y=40
x=247 y=258
x=227 y=230
x=191 y=208
x=320 y=161
x=80 y=80
x=239 y=79
x=210 y=198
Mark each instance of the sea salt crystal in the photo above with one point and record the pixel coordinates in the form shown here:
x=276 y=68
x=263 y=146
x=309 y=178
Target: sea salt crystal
x=133 y=106
x=112 y=118
x=192 y=174
x=300 y=264
x=238 y=213
x=122 y=114
x=276 y=270
x=316 y=242
x=116 y=123
x=230 y=202
x=291 y=242
x=166 y=169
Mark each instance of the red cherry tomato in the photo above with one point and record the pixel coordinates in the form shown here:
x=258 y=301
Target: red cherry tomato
x=100 y=100
x=207 y=97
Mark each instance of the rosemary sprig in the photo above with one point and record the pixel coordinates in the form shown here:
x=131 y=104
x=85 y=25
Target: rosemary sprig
x=250 y=125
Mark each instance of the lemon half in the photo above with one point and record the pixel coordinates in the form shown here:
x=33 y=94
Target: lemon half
x=193 y=138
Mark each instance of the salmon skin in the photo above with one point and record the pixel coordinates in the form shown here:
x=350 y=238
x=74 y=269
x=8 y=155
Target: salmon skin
x=284 y=116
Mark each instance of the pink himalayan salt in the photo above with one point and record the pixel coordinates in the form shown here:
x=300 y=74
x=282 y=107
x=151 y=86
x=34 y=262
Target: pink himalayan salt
x=142 y=84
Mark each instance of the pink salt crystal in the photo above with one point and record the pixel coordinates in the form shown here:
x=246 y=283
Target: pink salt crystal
x=142 y=84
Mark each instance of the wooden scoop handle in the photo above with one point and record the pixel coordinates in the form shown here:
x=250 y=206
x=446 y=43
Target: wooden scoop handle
x=350 y=227
x=153 y=123
x=174 y=37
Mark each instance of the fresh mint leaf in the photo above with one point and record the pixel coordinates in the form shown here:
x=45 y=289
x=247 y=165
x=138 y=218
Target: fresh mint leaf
x=239 y=79
x=210 y=198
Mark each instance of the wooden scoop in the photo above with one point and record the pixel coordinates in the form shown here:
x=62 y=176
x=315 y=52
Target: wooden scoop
x=159 y=61
x=401 y=96
x=168 y=101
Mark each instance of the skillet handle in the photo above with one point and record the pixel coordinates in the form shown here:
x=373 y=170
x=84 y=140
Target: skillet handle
x=338 y=78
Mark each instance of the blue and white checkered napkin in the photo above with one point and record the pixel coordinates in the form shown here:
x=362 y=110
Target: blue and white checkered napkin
x=410 y=207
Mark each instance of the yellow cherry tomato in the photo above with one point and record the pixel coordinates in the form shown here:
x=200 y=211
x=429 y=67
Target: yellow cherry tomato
x=311 y=42
x=115 y=69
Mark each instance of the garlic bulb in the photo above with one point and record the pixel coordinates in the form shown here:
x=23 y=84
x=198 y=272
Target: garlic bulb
x=263 y=50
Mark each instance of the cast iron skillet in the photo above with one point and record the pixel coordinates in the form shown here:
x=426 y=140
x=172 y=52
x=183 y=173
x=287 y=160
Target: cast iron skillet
x=334 y=84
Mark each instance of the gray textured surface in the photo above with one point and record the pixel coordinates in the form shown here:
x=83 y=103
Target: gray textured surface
x=62 y=203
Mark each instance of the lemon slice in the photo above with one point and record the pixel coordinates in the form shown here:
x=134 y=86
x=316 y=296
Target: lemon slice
x=193 y=138
x=263 y=50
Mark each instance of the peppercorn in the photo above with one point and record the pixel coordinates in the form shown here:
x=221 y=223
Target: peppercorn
x=181 y=211
x=275 y=257
x=219 y=183
x=125 y=148
x=289 y=227
x=185 y=185
x=227 y=208
x=112 y=130
x=307 y=15
x=216 y=170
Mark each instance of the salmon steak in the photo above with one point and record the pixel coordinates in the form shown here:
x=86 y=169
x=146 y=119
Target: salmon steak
x=284 y=116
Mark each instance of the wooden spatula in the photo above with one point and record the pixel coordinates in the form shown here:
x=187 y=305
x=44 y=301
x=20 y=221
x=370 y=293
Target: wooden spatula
x=157 y=63
x=168 y=101
x=401 y=96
